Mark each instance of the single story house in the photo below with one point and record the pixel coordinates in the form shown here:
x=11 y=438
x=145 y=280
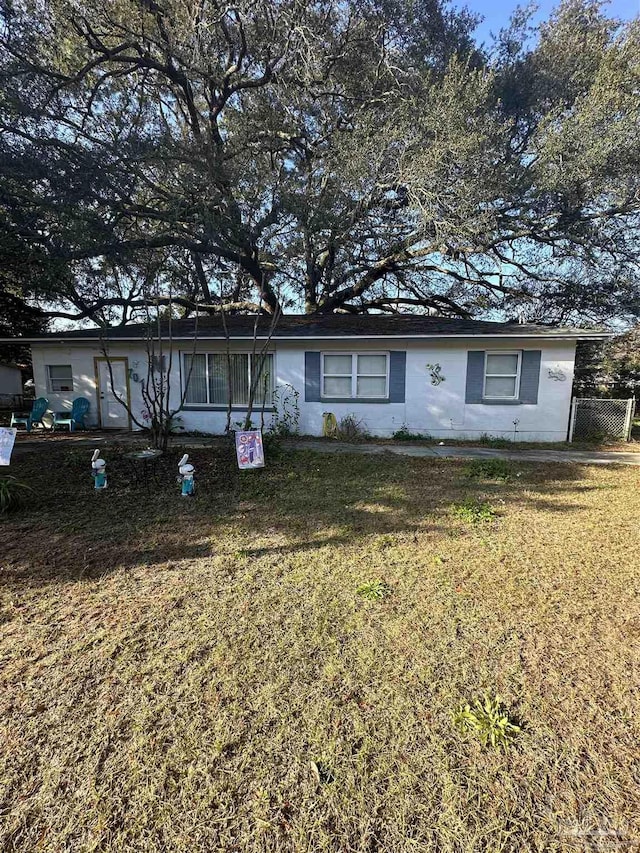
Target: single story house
x=449 y=378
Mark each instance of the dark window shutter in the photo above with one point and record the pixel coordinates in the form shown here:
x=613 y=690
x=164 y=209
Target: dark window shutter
x=312 y=377
x=530 y=375
x=475 y=376
x=397 y=376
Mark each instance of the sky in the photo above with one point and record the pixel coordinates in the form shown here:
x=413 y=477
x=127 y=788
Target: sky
x=496 y=13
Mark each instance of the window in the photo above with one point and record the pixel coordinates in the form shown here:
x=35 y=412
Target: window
x=501 y=375
x=355 y=375
x=208 y=379
x=60 y=378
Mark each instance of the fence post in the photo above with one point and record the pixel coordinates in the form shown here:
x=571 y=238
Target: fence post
x=629 y=419
x=572 y=419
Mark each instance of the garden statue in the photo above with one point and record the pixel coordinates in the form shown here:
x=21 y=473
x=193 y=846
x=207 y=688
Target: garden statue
x=185 y=477
x=329 y=425
x=98 y=471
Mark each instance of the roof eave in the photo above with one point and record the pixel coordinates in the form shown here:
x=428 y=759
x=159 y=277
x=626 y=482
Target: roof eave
x=556 y=336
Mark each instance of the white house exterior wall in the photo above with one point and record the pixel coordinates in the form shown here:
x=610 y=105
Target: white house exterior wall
x=437 y=410
x=440 y=410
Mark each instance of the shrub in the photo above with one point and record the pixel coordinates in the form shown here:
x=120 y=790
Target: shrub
x=474 y=511
x=403 y=434
x=489 y=469
x=488 y=720
x=13 y=494
x=351 y=428
x=374 y=590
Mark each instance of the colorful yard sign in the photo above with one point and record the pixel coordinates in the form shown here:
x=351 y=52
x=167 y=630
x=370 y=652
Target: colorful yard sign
x=7 y=440
x=249 y=449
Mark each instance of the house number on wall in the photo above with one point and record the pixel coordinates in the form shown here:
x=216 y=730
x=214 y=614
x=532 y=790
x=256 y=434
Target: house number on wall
x=436 y=375
x=133 y=372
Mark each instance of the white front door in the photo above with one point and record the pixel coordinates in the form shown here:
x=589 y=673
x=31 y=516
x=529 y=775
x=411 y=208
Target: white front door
x=113 y=414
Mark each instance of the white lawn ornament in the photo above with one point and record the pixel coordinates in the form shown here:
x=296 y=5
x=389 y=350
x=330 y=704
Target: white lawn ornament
x=98 y=471
x=185 y=471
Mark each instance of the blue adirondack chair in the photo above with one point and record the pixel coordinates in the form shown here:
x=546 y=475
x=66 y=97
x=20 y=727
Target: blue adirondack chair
x=40 y=406
x=74 y=418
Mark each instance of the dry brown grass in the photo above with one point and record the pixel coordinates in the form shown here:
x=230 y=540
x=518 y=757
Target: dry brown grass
x=171 y=671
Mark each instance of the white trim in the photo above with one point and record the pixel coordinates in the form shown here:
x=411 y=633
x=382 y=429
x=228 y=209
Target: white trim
x=354 y=376
x=516 y=390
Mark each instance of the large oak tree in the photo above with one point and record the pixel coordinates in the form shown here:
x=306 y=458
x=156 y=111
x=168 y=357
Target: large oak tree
x=330 y=155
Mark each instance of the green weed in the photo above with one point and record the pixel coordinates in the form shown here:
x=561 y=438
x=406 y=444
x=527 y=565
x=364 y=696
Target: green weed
x=489 y=469
x=488 y=720
x=474 y=511
x=13 y=494
x=374 y=590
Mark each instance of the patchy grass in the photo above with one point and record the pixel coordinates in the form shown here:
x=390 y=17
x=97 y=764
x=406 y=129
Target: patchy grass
x=473 y=510
x=200 y=674
x=490 y=469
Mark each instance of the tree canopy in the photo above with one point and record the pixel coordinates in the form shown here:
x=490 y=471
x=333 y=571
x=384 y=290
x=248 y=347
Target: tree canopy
x=328 y=155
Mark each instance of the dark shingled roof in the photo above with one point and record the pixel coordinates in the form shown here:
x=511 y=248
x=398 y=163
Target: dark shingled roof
x=327 y=326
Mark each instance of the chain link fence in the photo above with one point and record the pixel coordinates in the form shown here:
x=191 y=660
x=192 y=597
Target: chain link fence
x=594 y=419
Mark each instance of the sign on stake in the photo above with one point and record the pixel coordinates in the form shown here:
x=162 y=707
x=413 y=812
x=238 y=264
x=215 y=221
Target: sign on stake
x=249 y=449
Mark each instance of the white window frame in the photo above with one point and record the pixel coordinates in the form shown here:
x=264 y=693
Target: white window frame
x=50 y=388
x=184 y=372
x=354 y=376
x=516 y=394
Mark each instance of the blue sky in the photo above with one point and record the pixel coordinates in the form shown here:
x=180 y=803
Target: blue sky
x=496 y=12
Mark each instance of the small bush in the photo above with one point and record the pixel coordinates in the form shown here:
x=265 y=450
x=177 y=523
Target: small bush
x=351 y=428
x=374 y=590
x=403 y=434
x=489 y=469
x=474 y=511
x=13 y=494
x=488 y=720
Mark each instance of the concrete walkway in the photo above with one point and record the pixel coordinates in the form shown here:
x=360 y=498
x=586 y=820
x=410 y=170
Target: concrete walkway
x=586 y=457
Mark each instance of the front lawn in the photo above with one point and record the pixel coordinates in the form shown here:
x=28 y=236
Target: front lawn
x=276 y=664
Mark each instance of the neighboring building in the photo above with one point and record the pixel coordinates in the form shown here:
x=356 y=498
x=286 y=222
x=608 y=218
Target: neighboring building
x=449 y=378
x=10 y=384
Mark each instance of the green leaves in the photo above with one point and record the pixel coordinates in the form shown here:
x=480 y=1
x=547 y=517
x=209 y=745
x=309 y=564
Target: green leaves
x=488 y=721
x=337 y=155
x=13 y=494
x=489 y=469
x=374 y=590
x=474 y=511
